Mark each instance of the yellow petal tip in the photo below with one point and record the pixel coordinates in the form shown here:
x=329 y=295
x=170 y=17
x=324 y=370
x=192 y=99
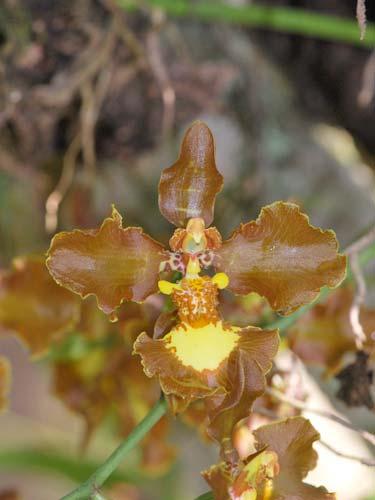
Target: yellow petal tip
x=166 y=287
x=221 y=280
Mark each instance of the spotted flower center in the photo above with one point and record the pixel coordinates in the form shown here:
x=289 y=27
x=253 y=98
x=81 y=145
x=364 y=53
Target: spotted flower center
x=196 y=300
x=202 y=348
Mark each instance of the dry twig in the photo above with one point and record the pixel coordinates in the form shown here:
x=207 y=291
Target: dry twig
x=366 y=93
x=359 y=298
x=353 y=253
x=361 y=243
x=67 y=174
x=68 y=82
x=124 y=32
x=81 y=81
x=160 y=71
x=361 y=460
x=361 y=17
x=321 y=413
x=92 y=100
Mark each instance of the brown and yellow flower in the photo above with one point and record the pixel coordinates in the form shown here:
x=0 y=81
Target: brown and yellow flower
x=280 y=256
x=324 y=335
x=283 y=456
x=33 y=307
x=203 y=357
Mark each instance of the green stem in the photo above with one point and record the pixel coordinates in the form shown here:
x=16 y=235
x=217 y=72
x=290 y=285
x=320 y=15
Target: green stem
x=206 y=496
x=41 y=460
x=97 y=496
x=98 y=478
x=286 y=19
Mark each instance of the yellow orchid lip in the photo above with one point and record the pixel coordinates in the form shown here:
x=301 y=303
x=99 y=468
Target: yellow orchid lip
x=202 y=348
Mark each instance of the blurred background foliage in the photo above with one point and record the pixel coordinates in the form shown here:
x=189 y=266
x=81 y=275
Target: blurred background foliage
x=94 y=98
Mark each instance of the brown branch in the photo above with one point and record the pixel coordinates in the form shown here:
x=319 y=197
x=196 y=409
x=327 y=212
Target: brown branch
x=358 y=300
x=68 y=82
x=159 y=69
x=363 y=461
x=14 y=168
x=124 y=32
x=361 y=17
x=359 y=297
x=366 y=93
x=361 y=243
x=321 y=413
x=92 y=100
x=88 y=118
x=67 y=173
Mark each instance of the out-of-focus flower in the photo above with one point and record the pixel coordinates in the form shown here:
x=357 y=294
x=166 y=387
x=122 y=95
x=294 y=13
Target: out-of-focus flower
x=123 y=492
x=244 y=309
x=324 y=335
x=280 y=256
x=10 y=494
x=266 y=408
x=33 y=307
x=4 y=382
x=111 y=380
x=283 y=455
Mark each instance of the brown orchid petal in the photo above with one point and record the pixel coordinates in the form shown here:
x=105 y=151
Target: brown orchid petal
x=195 y=416
x=214 y=239
x=175 y=242
x=189 y=187
x=292 y=441
x=325 y=334
x=285 y=456
x=220 y=479
x=4 y=382
x=230 y=376
x=211 y=240
x=33 y=306
x=244 y=380
x=112 y=263
x=175 y=378
x=165 y=322
x=282 y=257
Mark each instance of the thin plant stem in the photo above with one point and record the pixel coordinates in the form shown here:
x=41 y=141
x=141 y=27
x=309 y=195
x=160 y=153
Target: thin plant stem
x=300 y=405
x=364 y=461
x=206 y=496
x=285 y=19
x=98 y=478
x=75 y=469
x=97 y=496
